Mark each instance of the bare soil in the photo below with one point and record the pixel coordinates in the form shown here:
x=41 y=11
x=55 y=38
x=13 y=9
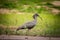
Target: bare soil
x=16 y=37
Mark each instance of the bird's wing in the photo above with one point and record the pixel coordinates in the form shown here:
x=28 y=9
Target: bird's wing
x=30 y=24
x=27 y=25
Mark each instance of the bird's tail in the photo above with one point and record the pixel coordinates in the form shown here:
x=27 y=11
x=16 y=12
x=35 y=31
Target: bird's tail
x=17 y=30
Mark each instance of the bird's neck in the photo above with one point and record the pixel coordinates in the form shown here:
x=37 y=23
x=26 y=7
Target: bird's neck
x=35 y=19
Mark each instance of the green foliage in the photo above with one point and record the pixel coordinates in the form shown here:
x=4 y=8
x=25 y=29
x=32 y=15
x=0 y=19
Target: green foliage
x=8 y=4
x=17 y=3
x=49 y=26
x=1 y=30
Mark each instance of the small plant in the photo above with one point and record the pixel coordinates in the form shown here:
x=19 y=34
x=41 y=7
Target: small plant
x=1 y=30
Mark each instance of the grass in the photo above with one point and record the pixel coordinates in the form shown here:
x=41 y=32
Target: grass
x=11 y=4
x=49 y=26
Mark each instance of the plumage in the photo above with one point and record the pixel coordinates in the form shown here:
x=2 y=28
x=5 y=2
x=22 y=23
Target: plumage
x=29 y=25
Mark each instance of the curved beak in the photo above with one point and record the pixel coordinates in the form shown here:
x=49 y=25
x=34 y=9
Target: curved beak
x=40 y=18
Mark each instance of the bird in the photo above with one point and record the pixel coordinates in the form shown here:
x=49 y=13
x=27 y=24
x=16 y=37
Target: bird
x=29 y=25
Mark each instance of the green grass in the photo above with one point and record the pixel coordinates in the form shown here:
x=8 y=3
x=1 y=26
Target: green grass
x=49 y=26
x=11 y=4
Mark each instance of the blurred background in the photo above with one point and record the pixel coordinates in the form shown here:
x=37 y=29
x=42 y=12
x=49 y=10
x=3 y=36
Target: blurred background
x=14 y=13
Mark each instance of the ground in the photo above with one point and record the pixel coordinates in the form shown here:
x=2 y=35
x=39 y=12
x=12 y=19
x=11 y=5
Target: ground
x=15 y=37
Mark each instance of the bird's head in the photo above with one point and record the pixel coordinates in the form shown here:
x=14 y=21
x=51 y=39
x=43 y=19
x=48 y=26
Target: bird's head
x=36 y=15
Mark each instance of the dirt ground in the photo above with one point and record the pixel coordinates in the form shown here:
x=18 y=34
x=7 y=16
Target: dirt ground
x=15 y=37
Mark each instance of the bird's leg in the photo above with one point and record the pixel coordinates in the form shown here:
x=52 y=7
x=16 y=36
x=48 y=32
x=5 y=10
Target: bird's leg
x=16 y=32
x=27 y=34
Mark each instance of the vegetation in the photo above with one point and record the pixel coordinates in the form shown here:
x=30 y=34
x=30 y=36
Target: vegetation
x=18 y=3
x=49 y=26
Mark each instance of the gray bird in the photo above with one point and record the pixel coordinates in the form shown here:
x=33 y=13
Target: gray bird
x=31 y=24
